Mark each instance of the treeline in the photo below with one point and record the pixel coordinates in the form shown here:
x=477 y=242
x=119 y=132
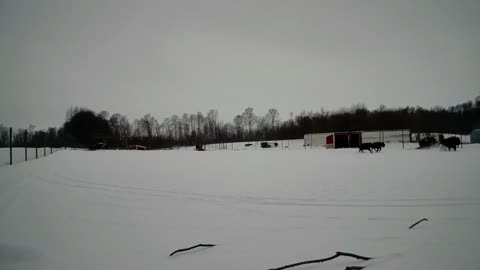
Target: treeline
x=31 y=137
x=84 y=127
x=458 y=119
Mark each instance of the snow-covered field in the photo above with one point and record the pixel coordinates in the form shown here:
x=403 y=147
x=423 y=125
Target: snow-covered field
x=18 y=154
x=130 y=209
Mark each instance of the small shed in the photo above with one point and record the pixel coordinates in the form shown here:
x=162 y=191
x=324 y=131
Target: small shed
x=344 y=139
x=334 y=139
x=475 y=136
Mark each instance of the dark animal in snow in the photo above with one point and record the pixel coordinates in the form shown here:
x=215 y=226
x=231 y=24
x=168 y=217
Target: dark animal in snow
x=365 y=146
x=377 y=146
x=451 y=142
x=275 y=144
x=97 y=146
x=248 y=144
x=427 y=142
x=265 y=145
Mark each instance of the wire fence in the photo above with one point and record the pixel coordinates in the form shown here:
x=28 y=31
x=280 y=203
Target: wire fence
x=401 y=136
x=14 y=152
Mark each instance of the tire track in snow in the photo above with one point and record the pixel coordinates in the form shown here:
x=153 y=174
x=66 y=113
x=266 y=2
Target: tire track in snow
x=263 y=201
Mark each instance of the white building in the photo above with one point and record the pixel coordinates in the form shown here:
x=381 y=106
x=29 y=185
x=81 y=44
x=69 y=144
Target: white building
x=332 y=139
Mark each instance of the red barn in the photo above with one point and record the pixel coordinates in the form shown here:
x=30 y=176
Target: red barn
x=137 y=147
x=344 y=139
x=334 y=140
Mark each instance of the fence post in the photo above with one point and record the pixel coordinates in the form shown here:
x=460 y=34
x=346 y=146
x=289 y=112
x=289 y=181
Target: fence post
x=11 y=161
x=25 y=135
x=36 y=144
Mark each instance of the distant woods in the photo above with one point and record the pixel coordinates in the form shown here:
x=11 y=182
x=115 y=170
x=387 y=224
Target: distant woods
x=84 y=127
x=40 y=138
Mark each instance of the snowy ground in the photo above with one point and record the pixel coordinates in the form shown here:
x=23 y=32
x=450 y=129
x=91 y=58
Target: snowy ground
x=130 y=209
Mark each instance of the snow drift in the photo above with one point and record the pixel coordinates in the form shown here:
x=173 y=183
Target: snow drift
x=263 y=209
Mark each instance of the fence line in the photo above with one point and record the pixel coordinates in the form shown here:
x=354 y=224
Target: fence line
x=15 y=154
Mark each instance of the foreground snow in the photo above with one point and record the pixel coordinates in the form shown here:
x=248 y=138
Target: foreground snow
x=131 y=209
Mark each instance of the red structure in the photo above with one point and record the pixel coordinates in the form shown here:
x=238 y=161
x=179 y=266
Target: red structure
x=344 y=139
x=137 y=147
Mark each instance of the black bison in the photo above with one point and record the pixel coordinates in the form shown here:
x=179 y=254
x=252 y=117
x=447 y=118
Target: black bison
x=265 y=145
x=97 y=146
x=365 y=146
x=427 y=142
x=275 y=144
x=199 y=147
x=248 y=144
x=377 y=146
x=451 y=142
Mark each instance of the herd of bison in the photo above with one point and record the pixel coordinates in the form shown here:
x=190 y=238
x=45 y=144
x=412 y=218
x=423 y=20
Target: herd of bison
x=448 y=143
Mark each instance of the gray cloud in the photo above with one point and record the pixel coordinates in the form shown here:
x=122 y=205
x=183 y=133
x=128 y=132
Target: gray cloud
x=166 y=57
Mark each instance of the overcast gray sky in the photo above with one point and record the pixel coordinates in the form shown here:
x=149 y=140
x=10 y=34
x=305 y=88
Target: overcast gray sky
x=170 y=57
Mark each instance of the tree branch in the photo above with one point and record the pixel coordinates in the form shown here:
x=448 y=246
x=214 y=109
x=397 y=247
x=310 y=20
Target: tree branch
x=186 y=249
x=415 y=224
x=337 y=254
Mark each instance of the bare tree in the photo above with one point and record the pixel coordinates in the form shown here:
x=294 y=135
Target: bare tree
x=124 y=127
x=18 y=137
x=137 y=128
x=4 y=136
x=176 y=127
x=212 y=122
x=200 y=124
x=273 y=117
x=31 y=134
x=166 y=126
x=114 y=124
x=250 y=119
x=147 y=125
x=185 y=126
x=193 y=128
x=238 y=122
x=228 y=130
x=263 y=126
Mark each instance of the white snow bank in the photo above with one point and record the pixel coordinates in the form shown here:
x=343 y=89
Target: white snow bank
x=131 y=209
